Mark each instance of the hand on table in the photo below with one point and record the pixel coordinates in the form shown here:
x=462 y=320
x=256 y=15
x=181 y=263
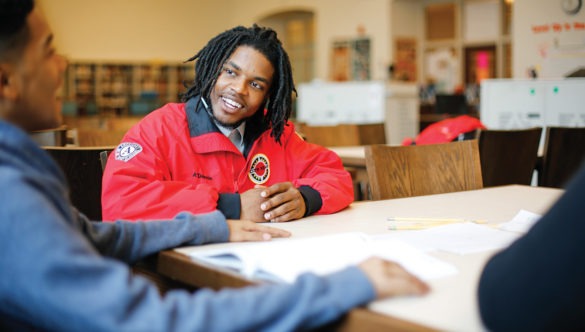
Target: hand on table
x=277 y=203
x=245 y=230
x=284 y=202
x=250 y=202
x=390 y=279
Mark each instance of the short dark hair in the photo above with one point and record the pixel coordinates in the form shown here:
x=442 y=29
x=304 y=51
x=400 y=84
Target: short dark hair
x=211 y=58
x=14 y=32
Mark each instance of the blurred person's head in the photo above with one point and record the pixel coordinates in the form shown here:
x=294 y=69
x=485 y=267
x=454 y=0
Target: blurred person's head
x=31 y=72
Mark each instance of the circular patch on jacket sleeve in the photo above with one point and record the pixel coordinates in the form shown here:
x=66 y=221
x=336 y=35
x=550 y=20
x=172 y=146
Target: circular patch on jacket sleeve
x=259 y=169
x=127 y=151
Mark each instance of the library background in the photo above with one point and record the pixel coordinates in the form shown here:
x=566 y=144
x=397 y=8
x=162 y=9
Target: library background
x=413 y=62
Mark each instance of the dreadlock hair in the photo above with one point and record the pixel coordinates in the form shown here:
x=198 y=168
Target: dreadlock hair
x=211 y=58
x=14 y=32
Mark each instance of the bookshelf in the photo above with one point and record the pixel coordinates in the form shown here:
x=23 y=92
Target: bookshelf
x=122 y=88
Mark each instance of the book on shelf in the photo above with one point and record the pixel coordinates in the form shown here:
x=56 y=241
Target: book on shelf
x=283 y=260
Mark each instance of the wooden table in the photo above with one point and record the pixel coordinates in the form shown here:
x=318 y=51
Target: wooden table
x=452 y=303
x=352 y=156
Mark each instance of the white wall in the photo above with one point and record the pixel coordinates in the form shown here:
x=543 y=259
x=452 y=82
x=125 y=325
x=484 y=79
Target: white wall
x=134 y=30
x=408 y=22
x=334 y=19
x=552 y=53
x=172 y=30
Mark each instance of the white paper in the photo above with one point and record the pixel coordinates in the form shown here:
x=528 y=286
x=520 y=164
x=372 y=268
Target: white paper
x=459 y=238
x=521 y=223
x=414 y=260
x=286 y=259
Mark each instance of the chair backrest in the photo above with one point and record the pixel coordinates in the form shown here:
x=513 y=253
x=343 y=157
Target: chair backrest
x=508 y=156
x=371 y=133
x=83 y=169
x=403 y=171
x=344 y=134
x=99 y=137
x=564 y=152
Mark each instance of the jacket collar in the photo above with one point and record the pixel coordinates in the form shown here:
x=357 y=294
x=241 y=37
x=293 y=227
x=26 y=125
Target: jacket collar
x=200 y=123
x=198 y=120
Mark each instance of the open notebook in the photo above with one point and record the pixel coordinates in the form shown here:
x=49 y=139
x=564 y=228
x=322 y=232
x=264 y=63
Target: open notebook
x=282 y=260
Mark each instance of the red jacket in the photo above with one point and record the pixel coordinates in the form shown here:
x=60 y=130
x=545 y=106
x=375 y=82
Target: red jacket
x=177 y=160
x=446 y=130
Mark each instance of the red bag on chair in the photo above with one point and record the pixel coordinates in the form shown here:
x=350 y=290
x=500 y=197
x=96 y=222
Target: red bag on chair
x=447 y=130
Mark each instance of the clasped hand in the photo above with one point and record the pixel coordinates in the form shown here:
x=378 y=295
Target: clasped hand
x=278 y=203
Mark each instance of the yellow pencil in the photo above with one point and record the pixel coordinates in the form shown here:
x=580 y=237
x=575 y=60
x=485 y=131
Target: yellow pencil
x=433 y=220
x=424 y=223
x=409 y=227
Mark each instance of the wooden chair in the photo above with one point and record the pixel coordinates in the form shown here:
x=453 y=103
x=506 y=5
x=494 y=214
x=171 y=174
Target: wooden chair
x=371 y=133
x=564 y=152
x=83 y=167
x=404 y=171
x=50 y=137
x=344 y=134
x=83 y=170
x=508 y=156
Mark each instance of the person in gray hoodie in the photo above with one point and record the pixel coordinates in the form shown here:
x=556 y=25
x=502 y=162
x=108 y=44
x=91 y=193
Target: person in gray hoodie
x=62 y=272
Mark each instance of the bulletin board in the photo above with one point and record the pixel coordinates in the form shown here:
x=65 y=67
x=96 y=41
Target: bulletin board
x=351 y=60
x=405 y=60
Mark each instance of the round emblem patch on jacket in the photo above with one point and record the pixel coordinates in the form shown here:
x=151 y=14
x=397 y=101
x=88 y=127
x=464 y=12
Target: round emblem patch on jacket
x=259 y=169
x=127 y=151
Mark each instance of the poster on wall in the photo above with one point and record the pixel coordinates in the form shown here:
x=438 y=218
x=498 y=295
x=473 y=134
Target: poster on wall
x=405 y=59
x=442 y=66
x=340 y=61
x=351 y=60
x=360 y=59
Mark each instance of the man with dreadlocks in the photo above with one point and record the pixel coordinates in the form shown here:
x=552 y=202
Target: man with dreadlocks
x=183 y=157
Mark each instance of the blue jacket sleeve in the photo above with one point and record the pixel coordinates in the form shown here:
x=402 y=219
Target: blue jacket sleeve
x=538 y=283
x=130 y=241
x=54 y=278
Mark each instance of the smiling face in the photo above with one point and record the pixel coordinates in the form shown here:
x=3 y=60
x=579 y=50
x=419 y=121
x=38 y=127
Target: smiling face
x=31 y=83
x=242 y=87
